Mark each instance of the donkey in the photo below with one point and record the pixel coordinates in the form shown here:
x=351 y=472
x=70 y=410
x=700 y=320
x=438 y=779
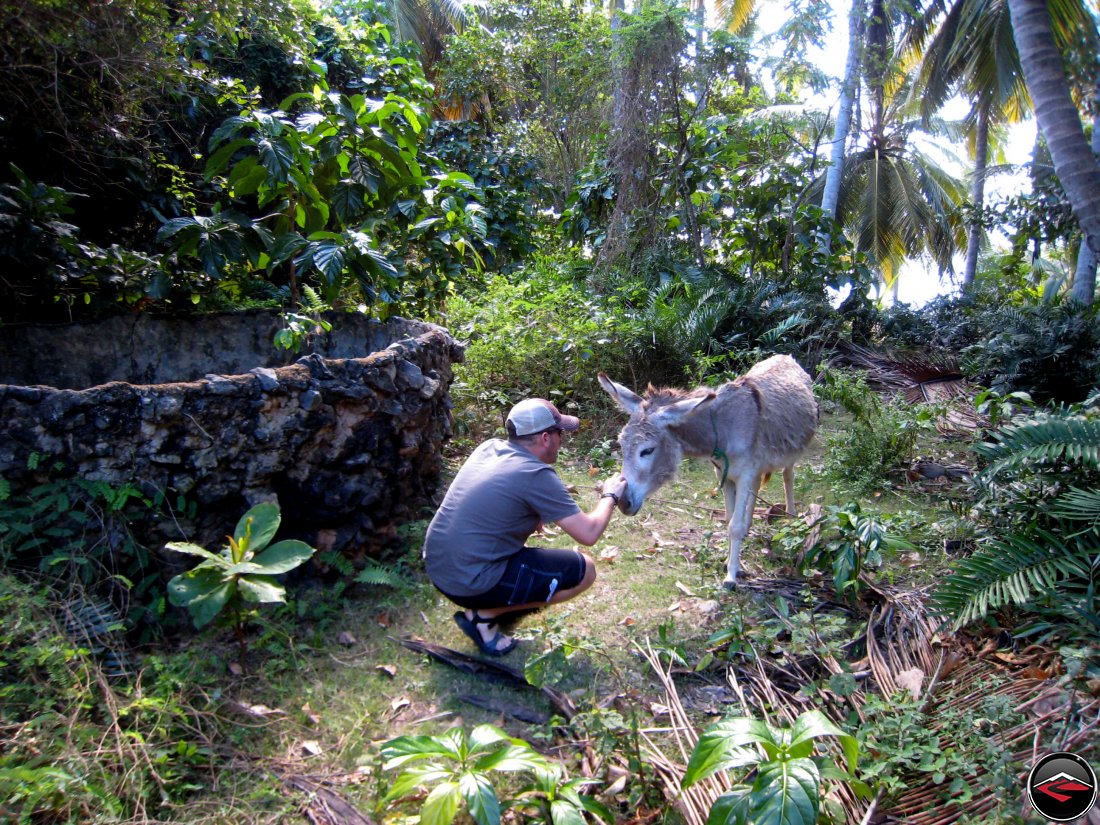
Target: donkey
x=749 y=428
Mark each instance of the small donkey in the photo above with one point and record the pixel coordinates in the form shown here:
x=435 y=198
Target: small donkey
x=749 y=428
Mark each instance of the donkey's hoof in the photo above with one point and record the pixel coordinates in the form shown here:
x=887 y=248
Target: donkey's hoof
x=729 y=583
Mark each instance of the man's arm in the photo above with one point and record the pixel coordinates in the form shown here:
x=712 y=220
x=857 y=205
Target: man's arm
x=587 y=528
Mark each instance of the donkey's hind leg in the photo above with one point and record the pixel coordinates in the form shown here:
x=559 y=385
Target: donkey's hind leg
x=788 y=488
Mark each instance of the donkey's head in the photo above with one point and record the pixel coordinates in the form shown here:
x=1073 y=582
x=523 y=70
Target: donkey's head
x=652 y=451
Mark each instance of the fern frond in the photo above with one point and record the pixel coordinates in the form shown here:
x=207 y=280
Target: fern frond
x=376 y=574
x=313 y=302
x=1045 y=439
x=1015 y=569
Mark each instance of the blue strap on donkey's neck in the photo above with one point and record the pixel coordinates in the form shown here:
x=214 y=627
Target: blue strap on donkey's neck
x=719 y=452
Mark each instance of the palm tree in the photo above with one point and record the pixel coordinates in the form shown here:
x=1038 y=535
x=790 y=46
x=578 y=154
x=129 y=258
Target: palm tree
x=971 y=50
x=895 y=201
x=849 y=90
x=1059 y=119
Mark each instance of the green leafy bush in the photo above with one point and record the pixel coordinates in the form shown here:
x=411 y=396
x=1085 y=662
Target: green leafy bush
x=536 y=337
x=80 y=535
x=882 y=436
x=1050 y=350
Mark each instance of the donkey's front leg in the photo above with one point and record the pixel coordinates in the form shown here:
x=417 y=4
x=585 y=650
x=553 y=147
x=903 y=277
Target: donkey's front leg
x=739 y=506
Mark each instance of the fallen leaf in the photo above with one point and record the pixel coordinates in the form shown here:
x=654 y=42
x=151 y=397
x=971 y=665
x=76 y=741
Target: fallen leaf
x=683 y=588
x=235 y=668
x=609 y=553
x=628 y=622
x=345 y=638
x=658 y=709
x=384 y=620
x=311 y=714
x=593 y=471
x=389 y=670
x=672 y=608
x=312 y=747
x=399 y=703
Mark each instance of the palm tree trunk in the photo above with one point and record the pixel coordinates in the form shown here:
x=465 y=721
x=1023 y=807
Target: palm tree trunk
x=1059 y=119
x=977 y=196
x=1084 y=278
x=848 y=90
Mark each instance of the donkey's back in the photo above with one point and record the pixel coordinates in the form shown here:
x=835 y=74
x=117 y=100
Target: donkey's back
x=787 y=410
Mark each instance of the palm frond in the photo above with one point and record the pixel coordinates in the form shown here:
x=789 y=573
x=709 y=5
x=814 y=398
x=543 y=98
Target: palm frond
x=1078 y=505
x=1015 y=569
x=1059 y=437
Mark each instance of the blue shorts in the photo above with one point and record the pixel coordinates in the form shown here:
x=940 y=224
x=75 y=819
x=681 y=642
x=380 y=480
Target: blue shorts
x=534 y=574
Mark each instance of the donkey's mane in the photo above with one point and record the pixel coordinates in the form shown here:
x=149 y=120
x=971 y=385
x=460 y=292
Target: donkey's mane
x=661 y=396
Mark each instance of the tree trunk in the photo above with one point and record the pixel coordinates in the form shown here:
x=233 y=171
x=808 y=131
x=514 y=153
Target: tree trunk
x=848 y=89
x=1084 y=279
x=1059 y=119
x=977 y=196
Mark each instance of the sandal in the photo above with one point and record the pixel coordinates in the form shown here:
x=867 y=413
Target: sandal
x=489 y=648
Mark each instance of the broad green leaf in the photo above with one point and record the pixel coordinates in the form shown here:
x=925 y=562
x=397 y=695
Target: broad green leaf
x=411 y=779
x=406 y=748
x=261 y=589
x=597 y=808
x=193 y=550
x=206 y=607
x=282 y=556
x=511 y=758
x=565 y=813
x=732 y=807
x=723 y=746
x=814 y=724
x=199 y=581
x=786 y=793
x=484 y=736
x=441 y=805
x=481 y=799
x=265 y=521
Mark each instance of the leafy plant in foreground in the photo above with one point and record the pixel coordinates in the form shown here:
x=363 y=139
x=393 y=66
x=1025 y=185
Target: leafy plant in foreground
x=242 y=572
x=459 y=771
x=786 y=777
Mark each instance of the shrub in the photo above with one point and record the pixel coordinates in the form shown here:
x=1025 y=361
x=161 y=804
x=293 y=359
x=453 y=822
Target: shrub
x=536 y=337
x=881 y=438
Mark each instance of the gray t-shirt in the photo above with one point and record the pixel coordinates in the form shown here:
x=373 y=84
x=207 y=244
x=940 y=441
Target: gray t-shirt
x=491 y=508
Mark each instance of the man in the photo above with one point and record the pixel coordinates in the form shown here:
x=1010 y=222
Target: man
x=475 y=551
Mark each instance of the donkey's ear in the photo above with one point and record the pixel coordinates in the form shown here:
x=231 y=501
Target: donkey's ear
x=623 y=397
x=673 y=414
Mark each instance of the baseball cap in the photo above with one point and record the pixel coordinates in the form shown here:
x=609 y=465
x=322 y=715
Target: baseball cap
x=537 y=414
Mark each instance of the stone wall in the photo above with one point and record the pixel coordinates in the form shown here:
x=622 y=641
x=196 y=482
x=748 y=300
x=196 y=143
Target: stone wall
x=349 y=443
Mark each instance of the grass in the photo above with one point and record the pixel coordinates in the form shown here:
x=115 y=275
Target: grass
x=327 y=680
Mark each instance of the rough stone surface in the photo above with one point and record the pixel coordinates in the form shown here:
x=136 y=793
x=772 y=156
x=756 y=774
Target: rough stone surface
x=349 y=442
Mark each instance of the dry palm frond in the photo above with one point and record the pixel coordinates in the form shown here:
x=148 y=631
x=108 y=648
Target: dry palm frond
x=919 y=378
x=907 y=650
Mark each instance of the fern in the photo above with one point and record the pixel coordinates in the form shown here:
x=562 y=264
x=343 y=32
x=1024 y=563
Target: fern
x=1016 y=570
x=379 y=575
